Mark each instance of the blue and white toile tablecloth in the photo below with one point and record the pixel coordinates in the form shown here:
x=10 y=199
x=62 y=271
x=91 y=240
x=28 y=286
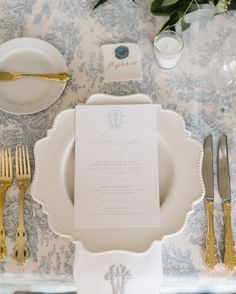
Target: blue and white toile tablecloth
x=78 y=33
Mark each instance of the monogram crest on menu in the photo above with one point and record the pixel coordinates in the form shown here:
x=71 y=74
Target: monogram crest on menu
x=115 y=119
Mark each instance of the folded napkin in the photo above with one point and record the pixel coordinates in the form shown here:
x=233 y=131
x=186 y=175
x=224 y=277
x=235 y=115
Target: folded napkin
x=118 y=272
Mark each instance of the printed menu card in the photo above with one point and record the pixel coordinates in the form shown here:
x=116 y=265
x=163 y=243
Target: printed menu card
x=116 y=167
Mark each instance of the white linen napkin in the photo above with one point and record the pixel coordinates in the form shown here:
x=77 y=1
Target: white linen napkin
x=118 y=272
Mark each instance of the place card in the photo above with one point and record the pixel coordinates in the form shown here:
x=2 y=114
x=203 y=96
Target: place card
x=122 y=62
x=116 y=167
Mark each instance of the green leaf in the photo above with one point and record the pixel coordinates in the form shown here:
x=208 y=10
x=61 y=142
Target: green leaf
x=160 y=9
x=169 y=2
x=221 y=6
x=171 y=22
x=100 y=2
x=184 y=25
x=203 y=2
x=232 y=5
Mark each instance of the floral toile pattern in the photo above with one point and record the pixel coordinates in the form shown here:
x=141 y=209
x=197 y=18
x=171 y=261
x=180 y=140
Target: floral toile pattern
x=78 y=32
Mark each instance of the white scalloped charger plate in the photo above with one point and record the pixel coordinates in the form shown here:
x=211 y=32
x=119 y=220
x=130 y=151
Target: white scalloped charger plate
x=180 y=180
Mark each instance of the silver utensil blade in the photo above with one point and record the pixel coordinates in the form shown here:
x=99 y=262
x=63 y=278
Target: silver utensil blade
x=207 y=168
x=223 y=170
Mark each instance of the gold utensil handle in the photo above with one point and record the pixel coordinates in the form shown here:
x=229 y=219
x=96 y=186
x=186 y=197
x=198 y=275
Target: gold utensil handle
x=211 y=257
x=229 y=254
x=60 y=77
x=3 y=248
x=21 y=251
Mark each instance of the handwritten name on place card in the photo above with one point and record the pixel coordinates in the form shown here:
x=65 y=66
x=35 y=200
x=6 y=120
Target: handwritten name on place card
x=117 y=65
x=122 y=66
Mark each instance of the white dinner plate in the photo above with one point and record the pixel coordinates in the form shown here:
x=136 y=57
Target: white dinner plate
x=29 y=55
x=179 y=169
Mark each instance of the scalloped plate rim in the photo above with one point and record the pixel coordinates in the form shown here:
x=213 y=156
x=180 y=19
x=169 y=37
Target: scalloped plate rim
x=50 y=132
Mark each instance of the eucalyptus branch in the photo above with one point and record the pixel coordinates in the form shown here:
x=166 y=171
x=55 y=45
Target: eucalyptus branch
x=182 y=17
x=198 y=6
x=100 y=2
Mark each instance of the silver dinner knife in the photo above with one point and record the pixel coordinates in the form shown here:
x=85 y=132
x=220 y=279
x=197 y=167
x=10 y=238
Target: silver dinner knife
x=225 y=193
x=211 y=257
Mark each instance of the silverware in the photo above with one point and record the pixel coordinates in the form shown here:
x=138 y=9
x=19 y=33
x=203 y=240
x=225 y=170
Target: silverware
x=225 y=193
x=5 y=182
x=211 y=257
x=12 y=76
x=23 y=180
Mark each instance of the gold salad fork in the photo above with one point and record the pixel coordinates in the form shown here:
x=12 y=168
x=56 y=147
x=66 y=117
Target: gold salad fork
x=5 y=182
x=12 y=76
x=23 y=179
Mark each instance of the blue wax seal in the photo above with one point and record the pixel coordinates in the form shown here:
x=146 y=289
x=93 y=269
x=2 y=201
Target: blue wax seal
x=121 y=52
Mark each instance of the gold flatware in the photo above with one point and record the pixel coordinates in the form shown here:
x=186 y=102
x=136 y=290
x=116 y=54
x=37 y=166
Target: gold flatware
x=211 y=257
x=12 y=76
x=23 y=180
x=225 y=193
x=5 y=182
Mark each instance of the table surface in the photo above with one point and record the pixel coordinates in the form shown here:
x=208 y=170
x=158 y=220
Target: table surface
x=78 y=33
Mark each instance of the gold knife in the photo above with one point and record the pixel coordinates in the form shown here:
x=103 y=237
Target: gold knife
x=211 y=257
x=58 y=77
x=225 y=193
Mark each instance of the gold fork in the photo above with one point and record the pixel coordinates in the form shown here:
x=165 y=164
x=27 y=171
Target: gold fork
x=5 y=182
x=23 y=179
x=12 y=76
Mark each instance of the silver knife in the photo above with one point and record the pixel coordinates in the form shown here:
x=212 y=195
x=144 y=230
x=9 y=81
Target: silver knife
x=225 y=193
x=211 y=257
